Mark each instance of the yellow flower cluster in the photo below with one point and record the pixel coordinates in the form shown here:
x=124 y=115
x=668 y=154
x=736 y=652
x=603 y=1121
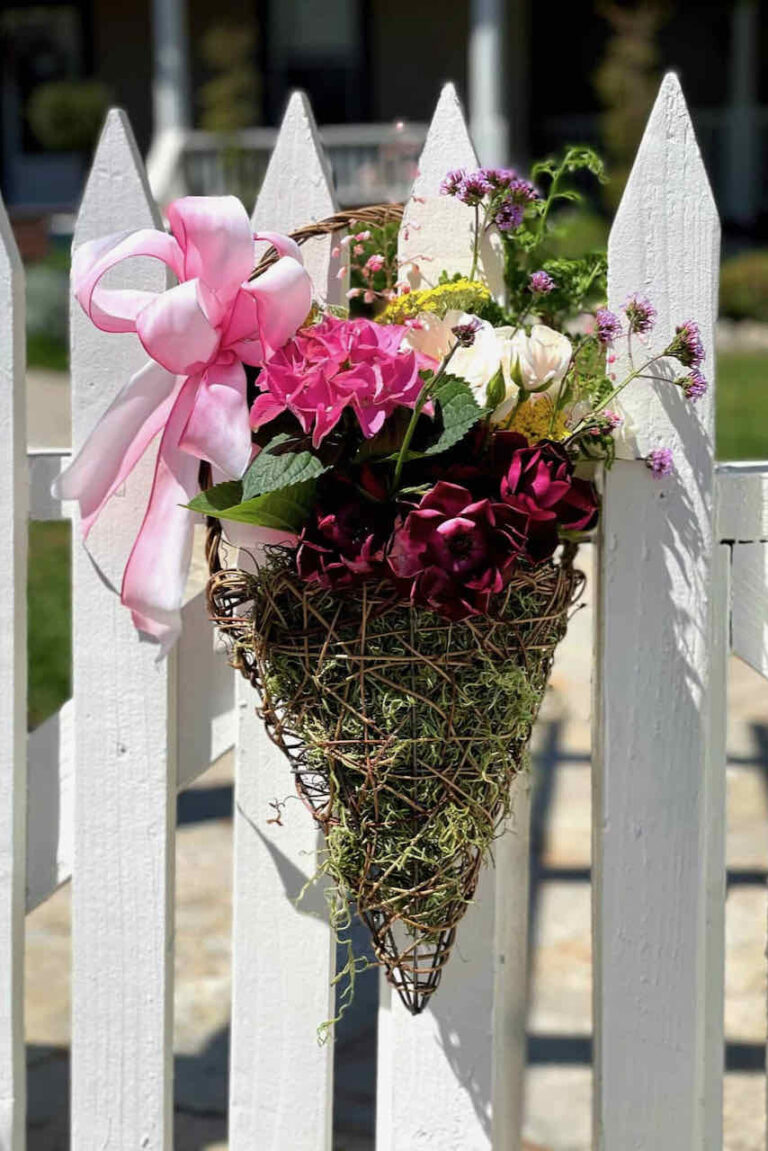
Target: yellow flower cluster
x=464 y=295
x=533 y=417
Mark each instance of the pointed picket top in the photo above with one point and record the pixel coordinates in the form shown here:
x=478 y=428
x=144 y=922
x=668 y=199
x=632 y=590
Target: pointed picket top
x=437 y=231
x=658 y=752
x=664 y=243
x=116 y=198
x=117 y=193
x=297 y=190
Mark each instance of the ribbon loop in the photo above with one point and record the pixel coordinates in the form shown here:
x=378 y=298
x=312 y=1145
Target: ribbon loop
x=192 y=390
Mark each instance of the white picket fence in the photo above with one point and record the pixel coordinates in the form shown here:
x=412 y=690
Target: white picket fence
x=682 y=581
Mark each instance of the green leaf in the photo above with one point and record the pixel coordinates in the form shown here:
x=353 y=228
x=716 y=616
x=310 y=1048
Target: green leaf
x=270 y=472
x=459 y=410
x=285 y=510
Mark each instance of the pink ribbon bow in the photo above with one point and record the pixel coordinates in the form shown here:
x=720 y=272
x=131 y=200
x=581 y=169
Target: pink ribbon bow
x=198 y=335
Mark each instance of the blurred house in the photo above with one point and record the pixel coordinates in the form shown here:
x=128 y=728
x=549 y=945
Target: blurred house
x=372 y=69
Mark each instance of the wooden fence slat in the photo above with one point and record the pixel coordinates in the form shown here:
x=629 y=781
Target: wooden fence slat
x=742 y=502
x=455 y=1072
x=658 y=788
x=122 y=904
x=13 y=698
x=749 y=581
x=281 y=1080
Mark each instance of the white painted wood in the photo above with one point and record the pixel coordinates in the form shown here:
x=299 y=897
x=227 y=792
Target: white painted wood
x=206 y=696
x=749 y=583
x=282 y=954
x=742 y=502
x=13 y=696
x=45 y=465
x=451 y=1079
x=466 y=1051
x=50 y=779
x=124 y=714
x=297 y=190
x=657 y=788
x=50 y=814
x=437 y=231
x=712 y=1018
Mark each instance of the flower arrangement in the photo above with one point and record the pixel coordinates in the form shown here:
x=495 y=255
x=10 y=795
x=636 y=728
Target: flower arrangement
x=413 y=476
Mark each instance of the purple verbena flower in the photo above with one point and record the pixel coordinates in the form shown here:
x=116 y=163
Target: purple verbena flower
x=465 y=333
x=540 y=283
x=452 y=182
x=474 y=187
x=686 y=345
x=509 y=216
x=660 y=462
x=694 y=385
x=640 y=313
x=607 y=326
x=501 y=177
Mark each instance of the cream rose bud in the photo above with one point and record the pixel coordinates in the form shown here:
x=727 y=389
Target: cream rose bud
x=477 y=364
x=543 y=357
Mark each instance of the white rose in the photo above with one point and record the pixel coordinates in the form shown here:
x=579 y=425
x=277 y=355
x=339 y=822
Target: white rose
x=542 y=358
x=477 y=364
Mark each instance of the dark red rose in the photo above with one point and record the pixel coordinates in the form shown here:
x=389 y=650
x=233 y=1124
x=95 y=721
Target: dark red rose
x=457 y=551
x=538 y=480
x=344 y=540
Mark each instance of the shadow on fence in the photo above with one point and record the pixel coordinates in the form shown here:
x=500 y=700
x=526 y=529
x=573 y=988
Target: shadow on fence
x=201 y=1080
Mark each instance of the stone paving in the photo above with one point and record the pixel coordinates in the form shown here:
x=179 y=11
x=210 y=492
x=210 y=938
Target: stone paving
x=558 y=1096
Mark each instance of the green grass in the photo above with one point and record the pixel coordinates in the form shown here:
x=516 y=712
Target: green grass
x=49 y=639
x=742 y=406
x=47 y=352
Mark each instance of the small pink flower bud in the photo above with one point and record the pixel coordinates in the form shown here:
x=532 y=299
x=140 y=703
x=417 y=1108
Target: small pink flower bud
x=353 y=293
x=346 y=241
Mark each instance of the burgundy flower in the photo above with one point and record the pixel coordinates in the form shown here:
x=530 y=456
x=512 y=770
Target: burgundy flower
x=457 y=551
x=539 y=482
x=344 y=540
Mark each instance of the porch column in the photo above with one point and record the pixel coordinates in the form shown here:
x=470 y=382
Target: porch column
x=488 y=122
x=741 y=143
x=170 y=98
x=170 y=78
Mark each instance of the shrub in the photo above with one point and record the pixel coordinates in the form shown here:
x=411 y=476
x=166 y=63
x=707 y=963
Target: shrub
x=744 y=286
x=66 y=115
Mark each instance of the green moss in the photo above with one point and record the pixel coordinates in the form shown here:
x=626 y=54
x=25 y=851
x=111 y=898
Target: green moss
x=415 y=733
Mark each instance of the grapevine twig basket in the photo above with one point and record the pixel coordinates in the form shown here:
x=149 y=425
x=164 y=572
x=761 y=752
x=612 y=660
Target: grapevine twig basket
x=404 y=730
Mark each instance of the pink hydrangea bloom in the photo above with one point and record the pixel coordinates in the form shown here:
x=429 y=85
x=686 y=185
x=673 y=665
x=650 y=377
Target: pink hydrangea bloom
x=340 y=364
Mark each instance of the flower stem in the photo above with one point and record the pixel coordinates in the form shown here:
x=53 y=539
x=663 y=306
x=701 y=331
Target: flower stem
x=423 y=396
x=475 y=243
x=612 y=396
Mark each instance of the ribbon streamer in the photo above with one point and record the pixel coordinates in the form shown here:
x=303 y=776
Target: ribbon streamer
x=192 y=390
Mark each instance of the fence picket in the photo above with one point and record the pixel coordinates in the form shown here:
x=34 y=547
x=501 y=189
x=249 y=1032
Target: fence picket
x=124 y=715
x=436 y=233
x=282 y=953
x=658 y=788
x=13 y=698
x=749 y=577
x=466 y=1051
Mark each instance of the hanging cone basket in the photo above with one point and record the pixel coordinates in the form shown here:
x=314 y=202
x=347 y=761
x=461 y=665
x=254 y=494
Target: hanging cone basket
x=404 y=732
